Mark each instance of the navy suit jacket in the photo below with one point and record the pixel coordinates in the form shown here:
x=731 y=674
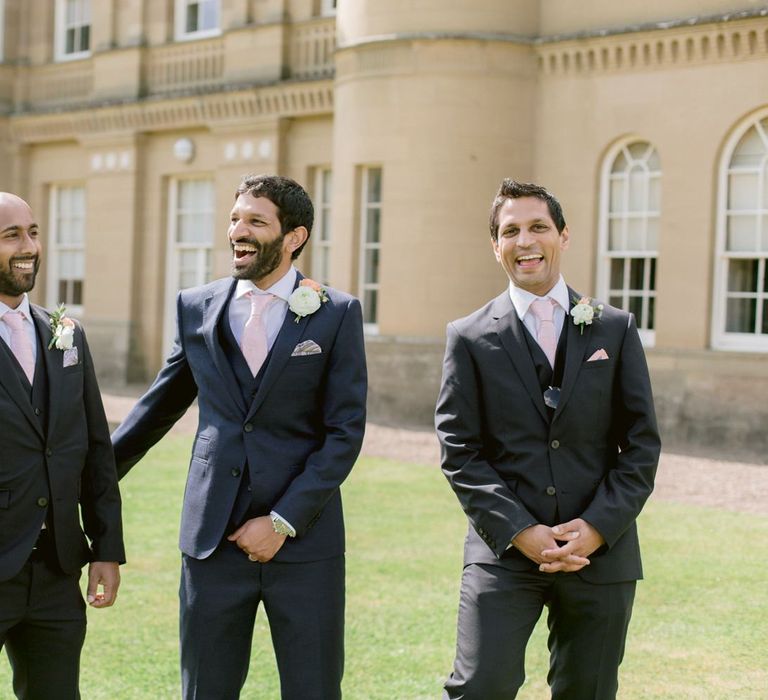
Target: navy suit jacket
x=298 y=438
x=511 y=466
x=66 y=470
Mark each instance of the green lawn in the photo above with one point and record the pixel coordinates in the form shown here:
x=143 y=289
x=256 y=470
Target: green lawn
x=699 y=629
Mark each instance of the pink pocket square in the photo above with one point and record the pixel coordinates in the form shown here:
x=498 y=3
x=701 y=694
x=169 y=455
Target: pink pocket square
x=600 y=354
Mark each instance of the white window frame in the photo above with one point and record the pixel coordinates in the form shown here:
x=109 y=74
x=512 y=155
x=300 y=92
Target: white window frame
x=55 y=249
x=60 y=39
x=328 y=8
x=2 y=30
x=605 y=255
x=172 y=253
x=371 y=328
x=180 y=14
x=720 y=338
x=323 y=234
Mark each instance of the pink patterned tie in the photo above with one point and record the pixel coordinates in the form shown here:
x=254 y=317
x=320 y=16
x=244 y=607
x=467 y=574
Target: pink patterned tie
x=544 y=310
x=254 y=341
x=20 y=345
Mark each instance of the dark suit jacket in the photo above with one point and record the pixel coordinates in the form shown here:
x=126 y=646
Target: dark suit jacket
x=298 y=438
x=67 y=471
x=511 y=467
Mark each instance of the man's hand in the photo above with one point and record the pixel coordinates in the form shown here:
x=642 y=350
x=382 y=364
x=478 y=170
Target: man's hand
x=258 y=539
x=572 y=556
x=107 y=575
x=534 y=541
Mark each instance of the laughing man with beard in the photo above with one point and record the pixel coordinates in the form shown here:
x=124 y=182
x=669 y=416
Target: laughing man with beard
x=56 y=469
x=277 y=364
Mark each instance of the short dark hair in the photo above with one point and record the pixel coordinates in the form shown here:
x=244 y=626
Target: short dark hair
x=511 y=189
x=294 y=207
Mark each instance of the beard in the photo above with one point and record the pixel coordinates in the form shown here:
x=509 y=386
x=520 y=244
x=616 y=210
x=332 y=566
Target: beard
x=266 y=259
x=14 y=283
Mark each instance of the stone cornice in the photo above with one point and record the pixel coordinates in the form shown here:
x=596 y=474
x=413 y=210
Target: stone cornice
x=208 y=110
x=436 y=36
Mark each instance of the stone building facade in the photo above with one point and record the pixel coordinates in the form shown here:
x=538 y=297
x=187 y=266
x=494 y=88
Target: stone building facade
x=127 y=125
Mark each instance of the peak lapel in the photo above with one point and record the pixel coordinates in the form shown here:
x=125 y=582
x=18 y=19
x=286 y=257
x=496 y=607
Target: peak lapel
x=574 y=355
x=215 y=305
x=9 y=380
x=510 y=331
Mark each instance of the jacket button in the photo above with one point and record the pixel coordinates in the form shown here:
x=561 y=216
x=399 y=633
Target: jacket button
x=42 y=501
x=48 y=452
x=37 y=411
x=248 y=428
x=554 y=444
x=551 y=490
x=235 y=472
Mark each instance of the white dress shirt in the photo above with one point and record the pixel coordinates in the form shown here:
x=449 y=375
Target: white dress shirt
x=240 y=312
x=522 y=300
x=29 y=325
x=240 y=306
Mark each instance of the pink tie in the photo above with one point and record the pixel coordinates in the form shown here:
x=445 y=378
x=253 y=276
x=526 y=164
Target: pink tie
x=544 y=310
x=20 y=345
x=254 y=341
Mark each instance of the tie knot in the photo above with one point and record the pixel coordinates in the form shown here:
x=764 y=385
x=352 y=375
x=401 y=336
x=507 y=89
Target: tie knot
x=543 y=309
x=259 y=302
x=14 y=319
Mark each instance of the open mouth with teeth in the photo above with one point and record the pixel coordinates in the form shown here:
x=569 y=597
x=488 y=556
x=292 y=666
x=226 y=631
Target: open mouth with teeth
x=529 y=261
x=243 y=252
x=25 y=265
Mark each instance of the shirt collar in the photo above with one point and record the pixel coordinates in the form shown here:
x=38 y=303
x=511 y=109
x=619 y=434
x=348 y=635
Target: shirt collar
x=23 y=307
x=521 y=299
x=282 y=289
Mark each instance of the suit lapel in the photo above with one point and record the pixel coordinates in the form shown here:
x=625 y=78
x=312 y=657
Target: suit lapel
x=574 y=355
x=215 y=306
x=51 y=367
x=9 y=379
x=289 y=335
x=510 y=331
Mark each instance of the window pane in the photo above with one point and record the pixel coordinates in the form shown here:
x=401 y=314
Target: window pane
x=637 y=198
x=654 y=164
x=620 y=164
x=740 y=316
x=192 y=11
x=742 y=233
x=652 y=234
x=651 y=324
x=764 y=234
x=635 y=234
x=372 y=266
x=372 y=225
x=636 y=272
x=742 y=276
x=374 y=185
x=370 y=303
x=77 y=292
x=617 y=273
x=71 y=265
x=616 y=301
x=652 y=281
x=617 y=202
x=210 y=14
x=69 y=41
x=750 y=151
x=636 y=308
x=85 y=38
x=743 y=191
x=325 y=225
x=638 y=150
x=616 y=234
x=327 y=186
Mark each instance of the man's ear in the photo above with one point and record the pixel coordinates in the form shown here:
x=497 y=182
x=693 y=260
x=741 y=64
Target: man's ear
x=565 y=239
x=296 y=238
x=495 y=246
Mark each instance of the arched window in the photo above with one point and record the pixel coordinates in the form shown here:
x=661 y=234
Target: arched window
x=630 y=206
x=741 y=280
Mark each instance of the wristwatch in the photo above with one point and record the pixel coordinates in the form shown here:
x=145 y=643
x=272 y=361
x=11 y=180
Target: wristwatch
x=280 y=526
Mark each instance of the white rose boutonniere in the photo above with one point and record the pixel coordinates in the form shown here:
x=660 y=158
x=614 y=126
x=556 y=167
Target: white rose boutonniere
x=307 y=298
x=63 y=329
x=585 y=311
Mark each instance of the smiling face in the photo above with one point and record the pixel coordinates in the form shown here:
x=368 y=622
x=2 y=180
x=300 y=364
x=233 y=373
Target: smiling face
x=260 y=251
x=20 y=249
x=528 y=246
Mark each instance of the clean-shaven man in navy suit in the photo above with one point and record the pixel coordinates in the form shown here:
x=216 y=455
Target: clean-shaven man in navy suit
x=278 y=368
x=549 y=440
x=59 y=501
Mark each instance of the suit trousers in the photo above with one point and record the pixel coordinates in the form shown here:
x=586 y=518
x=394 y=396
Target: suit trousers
x=42 y=625
x=498 y=609
x=304 y=603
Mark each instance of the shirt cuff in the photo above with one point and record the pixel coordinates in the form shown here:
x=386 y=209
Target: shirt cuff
x=291 y=528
